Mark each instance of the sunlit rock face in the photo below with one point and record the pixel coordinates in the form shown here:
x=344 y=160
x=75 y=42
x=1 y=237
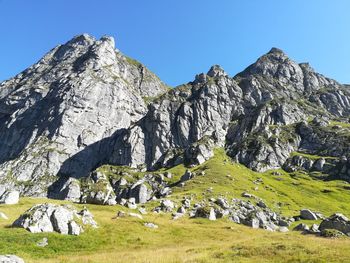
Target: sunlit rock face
x=85 y=104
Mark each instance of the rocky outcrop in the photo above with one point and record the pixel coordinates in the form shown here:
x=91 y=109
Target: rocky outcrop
x=63 y=219
x=242 y=212
x=58 y=116
x=106 y=186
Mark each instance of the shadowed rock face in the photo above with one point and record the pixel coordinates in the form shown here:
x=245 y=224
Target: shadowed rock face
x=58 y=115
x=83 y=105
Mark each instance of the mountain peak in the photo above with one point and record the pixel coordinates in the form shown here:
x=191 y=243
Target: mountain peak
x=275 y=50
x=216 y=71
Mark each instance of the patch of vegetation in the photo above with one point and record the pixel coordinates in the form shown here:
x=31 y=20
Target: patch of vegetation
x=311 y=156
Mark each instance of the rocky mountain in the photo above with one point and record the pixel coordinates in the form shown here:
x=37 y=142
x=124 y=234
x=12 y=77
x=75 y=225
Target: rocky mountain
x=57 y=116
x=86 y=104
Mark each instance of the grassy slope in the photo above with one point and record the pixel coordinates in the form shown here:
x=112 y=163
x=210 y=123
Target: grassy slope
x=195 y=240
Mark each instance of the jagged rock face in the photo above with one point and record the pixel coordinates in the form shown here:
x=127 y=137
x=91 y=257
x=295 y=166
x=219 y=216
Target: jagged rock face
x=255 y=115
x=58 y=116
x=83 y=105
x=192 y=113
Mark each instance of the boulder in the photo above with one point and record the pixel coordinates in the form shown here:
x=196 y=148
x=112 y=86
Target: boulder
x=188 y=175
x=131 y=203
x=10 y=197
x=283 y=229
x=222 y=202
x=205 y=212
x=336 y=221
x=307 y=214
x=150 y=225
x=167 y=205
x=301 y=227
x=140 y=192
x=63 y=219
x=252 y=222
x=10 y=259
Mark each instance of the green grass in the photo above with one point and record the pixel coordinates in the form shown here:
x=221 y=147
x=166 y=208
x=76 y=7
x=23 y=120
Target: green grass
x=311 y=156
x=195 y=240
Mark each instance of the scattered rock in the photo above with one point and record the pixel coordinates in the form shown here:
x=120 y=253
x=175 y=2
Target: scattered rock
x=307 y=214
x=131 y=203
x=120 y=214
x=150 y=225
x=261 y=204
x=247 y=195
x=43 y=243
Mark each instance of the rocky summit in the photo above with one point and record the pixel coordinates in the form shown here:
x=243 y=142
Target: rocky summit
x=85 y=104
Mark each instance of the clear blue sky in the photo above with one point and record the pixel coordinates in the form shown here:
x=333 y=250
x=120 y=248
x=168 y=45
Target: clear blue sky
x=180 y=38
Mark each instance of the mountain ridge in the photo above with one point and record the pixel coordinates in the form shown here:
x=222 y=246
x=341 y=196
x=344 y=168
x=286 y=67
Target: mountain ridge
x=85 y=104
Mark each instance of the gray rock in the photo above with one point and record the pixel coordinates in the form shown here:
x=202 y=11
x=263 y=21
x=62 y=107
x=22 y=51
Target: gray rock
x=212 y=215
x=247 y=195
x=66 y=189
x=283 y=229
x=151 y=225
x=10 y=259
x=307 y=214
x=43 y=243
x=314 y=228
x=140 y=192
x=319 y=164
x=301 y=227
x=10 y=197
x=98 y=190
x=261 y=204
x=253 y=222
x=167 y=205
x=59 y=115
x=187 y=176
x=336 y=221
x=131 y=203
x=58 y=218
